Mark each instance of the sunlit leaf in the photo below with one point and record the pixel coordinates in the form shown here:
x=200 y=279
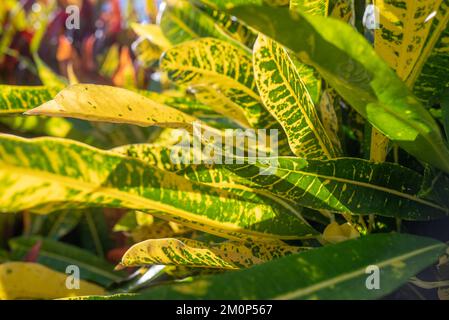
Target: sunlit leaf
x=65 y=174
x=187 y=252
x=25 y=280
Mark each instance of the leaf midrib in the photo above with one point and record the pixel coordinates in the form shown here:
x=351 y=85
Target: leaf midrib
x=348 y=276
x=155 y=205
x=303 y=112
x=362 y=184
x=205 y=72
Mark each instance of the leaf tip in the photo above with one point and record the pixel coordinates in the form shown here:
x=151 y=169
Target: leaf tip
x=46 y=108
x=119 y=267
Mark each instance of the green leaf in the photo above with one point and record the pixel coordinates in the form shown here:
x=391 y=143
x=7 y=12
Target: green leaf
x=94 y=232
x=49 y=174
x=57 y=255
x=232 y=27
x=333 y=272
x=286 y=97
x=60 y=223
x=18 y=99
x=445 y=113
x=355 y=71
x=192 y=253
x=4 y=256
x=346 y=185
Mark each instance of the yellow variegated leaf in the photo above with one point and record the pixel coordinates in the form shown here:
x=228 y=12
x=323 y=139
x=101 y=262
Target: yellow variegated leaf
x=287 y=98
x=48 y=174
x=318 y=7
x=181 y=21
x=112 y=104
x=340 y=9
x=152 y=32
x=146 y=52
x=308 y=74
x=26 y=280
x=159 y=229
x=328 y=115
x=404 y=28
x=18 y=99
x=220 y=65
x=310 y=77
x=312 y=80
x=223 y=67
x=216 y=176
x=232 y=27
x=429 y=76
x=222 y=104
x=405 y=40
x=111 y=61
x=192 y=253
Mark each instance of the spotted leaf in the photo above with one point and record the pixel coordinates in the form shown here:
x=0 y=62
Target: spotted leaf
x=192 y=253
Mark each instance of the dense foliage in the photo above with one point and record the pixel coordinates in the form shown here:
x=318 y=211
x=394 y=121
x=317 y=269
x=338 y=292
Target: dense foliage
x=92 y=126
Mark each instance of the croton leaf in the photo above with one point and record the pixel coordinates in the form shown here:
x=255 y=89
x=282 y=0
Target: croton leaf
x=192 y=253
x=288 y=100
x=18 y=99
x=339 y=271
x=224 y=67
x=413 y=40
x=347 y=185
x=227 y=70
x=343 y=184
x=111 y=104
x=180 y=21
x=355 y=71
x=216 y=176
x=318 y=7
x=47 y=174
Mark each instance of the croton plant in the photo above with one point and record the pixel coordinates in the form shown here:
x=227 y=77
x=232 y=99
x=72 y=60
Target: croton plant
x=100 y=125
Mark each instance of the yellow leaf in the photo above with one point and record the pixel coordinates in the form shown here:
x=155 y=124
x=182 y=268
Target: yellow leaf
x=152 y=32
x=335 y=233
x=26 y=280
x=111 y=104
